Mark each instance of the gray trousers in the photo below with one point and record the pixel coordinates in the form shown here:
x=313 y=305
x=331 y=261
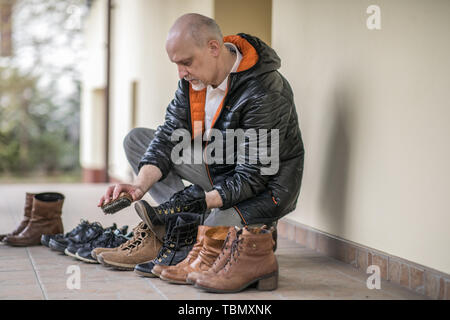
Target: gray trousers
x=135 y=145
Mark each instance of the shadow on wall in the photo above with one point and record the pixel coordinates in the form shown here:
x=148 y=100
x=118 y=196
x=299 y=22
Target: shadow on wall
x=334 y=180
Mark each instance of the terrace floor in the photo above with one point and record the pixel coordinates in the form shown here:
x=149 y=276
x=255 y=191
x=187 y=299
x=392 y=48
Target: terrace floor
x=40 y=273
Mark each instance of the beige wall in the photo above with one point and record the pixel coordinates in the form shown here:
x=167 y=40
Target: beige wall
x=374 y=113
x=249 y=16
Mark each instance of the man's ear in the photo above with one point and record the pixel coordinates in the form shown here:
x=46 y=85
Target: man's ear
x=214 y=47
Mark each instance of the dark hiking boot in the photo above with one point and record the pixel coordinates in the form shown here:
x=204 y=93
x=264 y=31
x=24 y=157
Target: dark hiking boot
x=60 y=242
x=181 y=234
x=45 y=238
x=109 y=239
x=94 y=231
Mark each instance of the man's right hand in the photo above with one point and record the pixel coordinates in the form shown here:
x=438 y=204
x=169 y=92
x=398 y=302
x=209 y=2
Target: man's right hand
x=112 y=193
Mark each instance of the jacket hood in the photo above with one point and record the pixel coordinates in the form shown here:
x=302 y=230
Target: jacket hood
x=257 y=57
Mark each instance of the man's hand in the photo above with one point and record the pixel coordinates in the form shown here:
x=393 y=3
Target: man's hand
x=112 y=193
x=148 y=175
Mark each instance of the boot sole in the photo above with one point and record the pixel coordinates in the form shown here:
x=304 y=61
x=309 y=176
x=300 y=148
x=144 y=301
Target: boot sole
x=115 y=265
x=85 y=259
x=23 y=244
x=159 y=231
x=70 y=254
x=145 y=274
x=268 y=282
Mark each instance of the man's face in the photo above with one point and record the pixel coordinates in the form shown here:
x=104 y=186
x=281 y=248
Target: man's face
x=195 y=64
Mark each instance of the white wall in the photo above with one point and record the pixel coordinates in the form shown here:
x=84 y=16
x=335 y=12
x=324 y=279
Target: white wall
x=374 y=113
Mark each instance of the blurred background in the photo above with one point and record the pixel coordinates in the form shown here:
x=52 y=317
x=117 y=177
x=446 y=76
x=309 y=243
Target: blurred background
x=41 y=55
x=373 y=103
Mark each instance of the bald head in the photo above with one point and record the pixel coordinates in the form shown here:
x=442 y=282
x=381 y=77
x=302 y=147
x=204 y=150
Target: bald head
x=196 y=28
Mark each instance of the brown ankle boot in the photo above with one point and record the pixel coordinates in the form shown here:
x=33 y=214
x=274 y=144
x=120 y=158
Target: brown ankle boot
x=251 y=261
x=26 y=218
x=45 y=219
x=144 y=246
x=220 y=261
x=192 y=255
x=212 y=246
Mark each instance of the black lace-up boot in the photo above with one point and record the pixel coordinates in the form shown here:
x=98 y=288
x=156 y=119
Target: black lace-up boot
x=191 y=199
x=181 y=234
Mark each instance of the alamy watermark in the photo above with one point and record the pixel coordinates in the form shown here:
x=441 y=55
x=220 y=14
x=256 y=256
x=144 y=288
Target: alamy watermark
x=374 y=20
x=256 y=147
x=73 y=282
x=374 y=281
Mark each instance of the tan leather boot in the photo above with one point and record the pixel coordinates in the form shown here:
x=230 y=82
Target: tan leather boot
x=45 y=219
x=252 y=261
x=220 y=261
x=97 y=251
x=158 y=268
x=26 y=217
x=212 y=246
x=143 y=247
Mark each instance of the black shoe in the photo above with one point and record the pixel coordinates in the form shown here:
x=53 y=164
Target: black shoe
x=109 y=239
x=181 y=234
x=60 y=242
x=190 y=199
x=94 y=231
x=45 y=238
x=148 y=215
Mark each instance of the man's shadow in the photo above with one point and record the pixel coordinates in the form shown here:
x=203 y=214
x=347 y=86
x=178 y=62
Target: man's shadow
x=335 y=172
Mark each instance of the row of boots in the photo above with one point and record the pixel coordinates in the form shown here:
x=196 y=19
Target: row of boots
x=174 y=247
x=218 y=259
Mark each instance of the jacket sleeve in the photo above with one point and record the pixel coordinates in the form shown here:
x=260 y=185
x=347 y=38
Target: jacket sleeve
x=252 y=172
x=177 y=117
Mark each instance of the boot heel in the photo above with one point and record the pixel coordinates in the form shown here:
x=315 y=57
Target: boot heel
x=269 y=283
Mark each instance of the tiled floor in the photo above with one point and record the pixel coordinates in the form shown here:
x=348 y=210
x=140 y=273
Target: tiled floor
x=39 y=273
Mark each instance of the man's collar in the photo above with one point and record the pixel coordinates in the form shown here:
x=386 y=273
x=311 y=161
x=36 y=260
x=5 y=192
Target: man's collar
x=233 y=48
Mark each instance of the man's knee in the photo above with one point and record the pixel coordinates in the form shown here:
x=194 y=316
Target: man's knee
x=137 y=137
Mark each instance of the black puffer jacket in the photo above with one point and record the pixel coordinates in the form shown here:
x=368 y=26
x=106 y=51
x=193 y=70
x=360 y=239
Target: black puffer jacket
x=258 y=97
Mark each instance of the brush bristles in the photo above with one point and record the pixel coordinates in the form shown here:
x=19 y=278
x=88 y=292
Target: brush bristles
x=117 y=205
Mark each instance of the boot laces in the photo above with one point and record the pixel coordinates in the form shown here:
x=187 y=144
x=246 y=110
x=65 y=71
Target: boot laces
x=225 y=243
x=136 y=231
x=234 y=252
x=174 y=205
x=137 y=242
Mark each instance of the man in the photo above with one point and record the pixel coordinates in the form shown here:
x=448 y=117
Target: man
x=225 y=83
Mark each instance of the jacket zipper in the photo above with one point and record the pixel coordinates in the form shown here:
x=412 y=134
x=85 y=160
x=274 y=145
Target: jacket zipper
x=206 y=145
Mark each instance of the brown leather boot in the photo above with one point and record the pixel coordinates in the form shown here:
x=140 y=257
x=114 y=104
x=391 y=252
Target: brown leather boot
x=26 y=217
x=220 y=261
x=95 y=253
x=158 y=268
x=212 y=246
x=45 y=219
x=252 y=260
x=143 y=247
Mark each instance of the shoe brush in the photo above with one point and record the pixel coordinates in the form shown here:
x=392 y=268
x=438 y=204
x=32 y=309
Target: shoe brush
x=124 y=200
